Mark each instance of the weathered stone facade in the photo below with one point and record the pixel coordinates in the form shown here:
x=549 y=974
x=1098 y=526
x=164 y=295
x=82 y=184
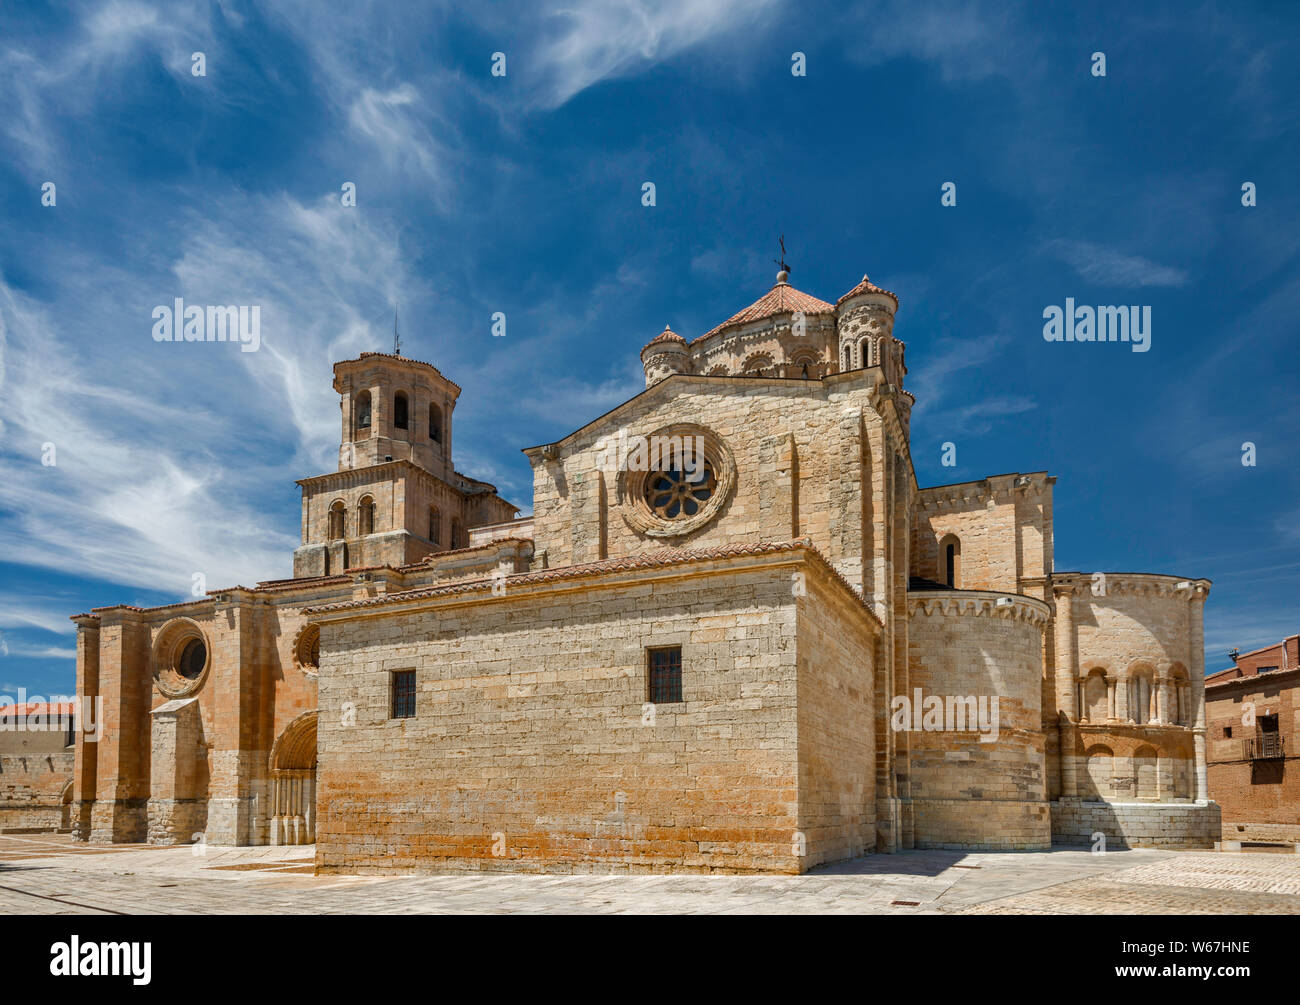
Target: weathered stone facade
x=691 y=657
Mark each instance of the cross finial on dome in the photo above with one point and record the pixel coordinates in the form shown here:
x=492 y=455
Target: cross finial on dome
x=784 y=274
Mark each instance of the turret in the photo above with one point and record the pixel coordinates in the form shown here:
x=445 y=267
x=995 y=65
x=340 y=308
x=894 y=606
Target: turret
x=865 y=324
x=664 y=355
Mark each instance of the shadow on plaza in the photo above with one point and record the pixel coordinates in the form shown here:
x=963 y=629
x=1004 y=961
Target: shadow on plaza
x=933 y=861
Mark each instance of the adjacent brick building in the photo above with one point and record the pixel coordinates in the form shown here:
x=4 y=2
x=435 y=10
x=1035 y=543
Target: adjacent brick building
x=1253 y=710
x=727 y=654
x=36 y=757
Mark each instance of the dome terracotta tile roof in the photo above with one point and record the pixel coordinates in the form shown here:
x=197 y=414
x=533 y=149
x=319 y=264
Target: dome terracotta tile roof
x=867 y=286
x=780 y=299
x=667 y=335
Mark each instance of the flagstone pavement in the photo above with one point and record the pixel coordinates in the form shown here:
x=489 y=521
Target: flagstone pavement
x=51 y=874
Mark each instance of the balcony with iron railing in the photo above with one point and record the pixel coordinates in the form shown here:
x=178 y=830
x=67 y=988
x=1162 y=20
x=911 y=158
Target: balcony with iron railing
x=1264 y=747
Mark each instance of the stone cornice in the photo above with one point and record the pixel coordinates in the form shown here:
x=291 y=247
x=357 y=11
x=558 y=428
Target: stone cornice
x=1003 y=488
x=979 y=603
x=1141 y=584
x=671 y=562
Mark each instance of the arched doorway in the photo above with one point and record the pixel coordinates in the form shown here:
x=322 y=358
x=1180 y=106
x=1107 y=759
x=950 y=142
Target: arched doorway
x=293 y=783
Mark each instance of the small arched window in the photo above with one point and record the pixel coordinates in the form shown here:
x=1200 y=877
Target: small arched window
x=337 y=522
x=435 y=423
x=848 y=357
x=435 y=527
x=950 y=560
x=363 y=409
x=366 y=516
x=400 y=419
x=864 y=351
x=456 y=534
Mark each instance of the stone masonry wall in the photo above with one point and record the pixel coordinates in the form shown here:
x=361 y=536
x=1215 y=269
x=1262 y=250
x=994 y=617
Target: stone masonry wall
x=31 y=788
x=532 y=747
x=965 y=793
x=837 y=746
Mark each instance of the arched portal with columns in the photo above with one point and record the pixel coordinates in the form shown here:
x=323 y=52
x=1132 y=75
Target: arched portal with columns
x=293 y=783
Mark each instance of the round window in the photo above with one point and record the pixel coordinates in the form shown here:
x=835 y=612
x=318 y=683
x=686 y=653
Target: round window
x=683 y=488
x=306 y=650
x=193 y=658
x=181 y=658
x=677 y=494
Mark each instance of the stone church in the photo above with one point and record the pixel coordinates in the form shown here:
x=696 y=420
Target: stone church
x=756 y=645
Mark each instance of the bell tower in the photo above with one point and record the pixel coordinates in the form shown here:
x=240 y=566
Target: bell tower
x=394 y=408
x=395 y=497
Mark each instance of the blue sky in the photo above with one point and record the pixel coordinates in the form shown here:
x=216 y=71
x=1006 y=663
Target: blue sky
x=522 y=194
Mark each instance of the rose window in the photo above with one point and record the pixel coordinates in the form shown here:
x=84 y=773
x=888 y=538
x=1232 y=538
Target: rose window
x=678 y=494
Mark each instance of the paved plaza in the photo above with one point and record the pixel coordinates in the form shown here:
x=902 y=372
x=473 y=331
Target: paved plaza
x=50 y=874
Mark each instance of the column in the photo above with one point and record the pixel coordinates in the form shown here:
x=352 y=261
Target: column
x=1196 y=671
x=1066 y=688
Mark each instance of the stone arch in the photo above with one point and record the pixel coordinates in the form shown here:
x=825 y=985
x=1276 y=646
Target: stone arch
x=949 y=570
x=1146 y=772
x=435 y=527
x=1180 y=695
x=366 y=516
x=848 y=357
x=758 y=364
x=864 y=351
x=401 y=411
x=292 y=816
x=802 y=360
x=1099 y=769
x=362 y=411
x=721 y=370
x=1140 y=681
x=338 y=520
x=1096 y=695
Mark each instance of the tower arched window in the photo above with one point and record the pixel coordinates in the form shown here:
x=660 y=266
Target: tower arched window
x=400 y=417
x=435 y=527
x=950 y=560
x=366 y=516
x=363 y=409
x=337 y=522
x=435 y=423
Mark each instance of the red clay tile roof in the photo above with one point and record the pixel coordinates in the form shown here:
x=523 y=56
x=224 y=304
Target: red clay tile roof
x=866 y=286
x=403 y=359
x=780 y=299
x=667 y=335
x=31 y=708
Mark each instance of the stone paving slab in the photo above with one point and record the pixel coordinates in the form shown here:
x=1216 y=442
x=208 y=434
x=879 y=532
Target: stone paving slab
x=51 y=875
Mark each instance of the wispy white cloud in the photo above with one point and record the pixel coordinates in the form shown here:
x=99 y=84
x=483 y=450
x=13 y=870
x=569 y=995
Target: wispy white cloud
x=964 y=41
x=1105 y=266
x=590 y=41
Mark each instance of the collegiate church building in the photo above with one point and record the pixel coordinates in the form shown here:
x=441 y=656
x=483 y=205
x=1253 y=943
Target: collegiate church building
x=767 y=651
